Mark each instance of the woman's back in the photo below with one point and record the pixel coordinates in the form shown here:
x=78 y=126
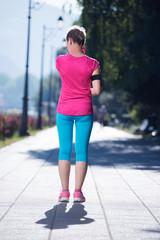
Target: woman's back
x=75 y=72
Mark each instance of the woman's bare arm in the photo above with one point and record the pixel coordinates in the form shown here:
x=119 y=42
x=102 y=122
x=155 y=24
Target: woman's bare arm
x=96 y=84
x=59 y=73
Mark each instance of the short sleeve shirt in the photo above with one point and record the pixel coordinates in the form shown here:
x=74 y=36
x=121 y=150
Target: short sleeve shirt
x=75 y=98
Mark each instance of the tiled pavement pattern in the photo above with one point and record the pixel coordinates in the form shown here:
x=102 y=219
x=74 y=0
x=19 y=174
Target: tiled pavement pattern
x=122 y=190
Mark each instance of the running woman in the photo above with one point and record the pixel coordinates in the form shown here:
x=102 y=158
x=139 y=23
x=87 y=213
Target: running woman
x=76 y=71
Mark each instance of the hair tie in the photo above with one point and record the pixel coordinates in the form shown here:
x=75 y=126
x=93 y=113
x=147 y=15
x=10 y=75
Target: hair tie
x=83 y=49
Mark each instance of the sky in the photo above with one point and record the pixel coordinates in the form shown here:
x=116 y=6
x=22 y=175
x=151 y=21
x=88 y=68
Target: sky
x=68 y=4
x=13 y=33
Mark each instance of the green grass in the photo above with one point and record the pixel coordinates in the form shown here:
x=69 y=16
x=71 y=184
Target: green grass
x=16 y=137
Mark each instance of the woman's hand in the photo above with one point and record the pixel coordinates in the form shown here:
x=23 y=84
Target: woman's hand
x=95 y=92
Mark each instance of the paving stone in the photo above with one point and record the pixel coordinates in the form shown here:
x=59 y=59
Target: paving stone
x=122 y=189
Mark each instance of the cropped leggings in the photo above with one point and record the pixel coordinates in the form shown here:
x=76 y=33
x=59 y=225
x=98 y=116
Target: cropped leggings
x=83 y=128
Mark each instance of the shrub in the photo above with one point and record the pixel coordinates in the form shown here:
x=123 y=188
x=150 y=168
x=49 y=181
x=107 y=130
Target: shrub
x=10 y=123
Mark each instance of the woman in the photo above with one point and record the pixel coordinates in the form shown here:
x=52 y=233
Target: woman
x=75 y=106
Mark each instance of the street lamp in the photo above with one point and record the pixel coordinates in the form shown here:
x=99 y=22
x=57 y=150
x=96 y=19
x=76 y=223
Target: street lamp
x=39 y=122
x=60 y=22
x=44 y=38
x=24 y=124
x=50 y=87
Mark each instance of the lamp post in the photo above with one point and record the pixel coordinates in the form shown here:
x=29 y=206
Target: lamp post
x=24 y=124
x=39 y=122
x=50 y=87
x=44 y=38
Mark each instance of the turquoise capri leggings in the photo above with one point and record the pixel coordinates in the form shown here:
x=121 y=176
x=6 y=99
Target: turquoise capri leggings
x=83 y=128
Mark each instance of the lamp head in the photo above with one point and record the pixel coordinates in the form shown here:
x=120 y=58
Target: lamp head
x=60 y=22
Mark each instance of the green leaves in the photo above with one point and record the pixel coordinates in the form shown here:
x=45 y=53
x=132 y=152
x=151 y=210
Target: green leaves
x=124 y=36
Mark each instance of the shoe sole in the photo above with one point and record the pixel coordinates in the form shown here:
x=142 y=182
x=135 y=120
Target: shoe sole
x=79 y=200
x=64 y=200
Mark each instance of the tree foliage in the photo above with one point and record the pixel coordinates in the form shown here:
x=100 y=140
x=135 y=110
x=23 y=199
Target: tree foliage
x=124 y=36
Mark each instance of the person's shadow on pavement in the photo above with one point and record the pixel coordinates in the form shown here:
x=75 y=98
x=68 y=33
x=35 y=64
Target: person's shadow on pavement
x=59 y=218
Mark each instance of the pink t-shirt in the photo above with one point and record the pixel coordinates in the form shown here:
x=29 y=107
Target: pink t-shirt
x=75 y=98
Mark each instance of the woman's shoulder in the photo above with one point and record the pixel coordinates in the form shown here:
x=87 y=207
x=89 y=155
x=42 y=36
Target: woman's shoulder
x=61 y=56
x=92 y=62
x=90 y=59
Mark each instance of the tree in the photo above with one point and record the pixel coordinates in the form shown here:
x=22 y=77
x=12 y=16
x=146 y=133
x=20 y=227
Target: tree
x=124 y=36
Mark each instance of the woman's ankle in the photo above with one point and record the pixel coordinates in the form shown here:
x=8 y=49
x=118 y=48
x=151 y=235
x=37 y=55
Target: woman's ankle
x=77 y=190
x=65 y=190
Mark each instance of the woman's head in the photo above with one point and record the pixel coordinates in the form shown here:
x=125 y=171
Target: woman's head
x=77 y=34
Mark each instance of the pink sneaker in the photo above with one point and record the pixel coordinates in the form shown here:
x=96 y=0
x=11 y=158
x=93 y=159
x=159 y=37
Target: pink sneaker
x=78 y=196
x=64 y=196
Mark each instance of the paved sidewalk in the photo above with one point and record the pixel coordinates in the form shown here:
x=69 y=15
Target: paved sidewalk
x=122 y=190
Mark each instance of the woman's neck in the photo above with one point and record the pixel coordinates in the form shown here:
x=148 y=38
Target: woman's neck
x=76 y=54
x=76 y=51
